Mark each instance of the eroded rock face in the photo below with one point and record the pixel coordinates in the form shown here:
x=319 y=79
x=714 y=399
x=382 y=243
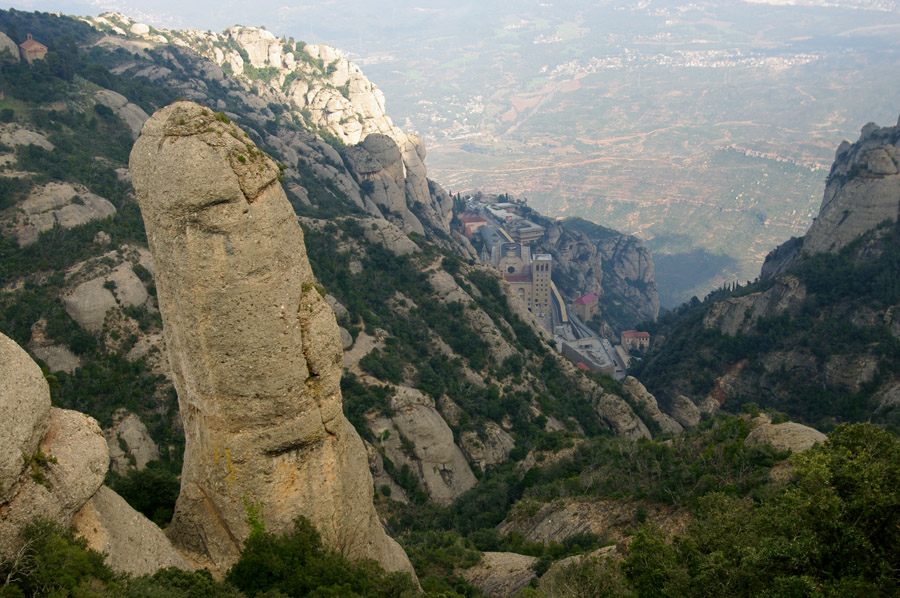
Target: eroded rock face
x=862 y=190
x=640 y=395
x=740 y=314
x=74 y=466
x=129 y=442
x=24 y=411
x=132 y=543
x=418 y=436
x=254 y=348
x=501 y=573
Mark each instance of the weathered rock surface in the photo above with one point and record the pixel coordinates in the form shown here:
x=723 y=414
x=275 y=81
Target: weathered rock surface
x=501 y=574
x=56 y=357
x=132 y=543
x=740 y=314
x=429 y=449
x=641 y=396
x=685 y=411
x=862 y=190
x=392 y=238
x=129 y=439
x=62 y=204
x=24 y=411
x=254 y=348
x=615 y=412
x=493 y=446
x=76 y=463
x=89 y=302
x=609 y=518
x=788 y=435
x=9 y=47
x=133 y=115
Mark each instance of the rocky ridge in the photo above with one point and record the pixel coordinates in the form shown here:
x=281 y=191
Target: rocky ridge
x=322 y=90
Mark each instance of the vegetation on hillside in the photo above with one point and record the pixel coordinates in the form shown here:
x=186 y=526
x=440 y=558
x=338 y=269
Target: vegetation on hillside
x=862 y=278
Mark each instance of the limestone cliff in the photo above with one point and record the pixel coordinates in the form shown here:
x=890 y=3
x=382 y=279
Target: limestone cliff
x=254 y=348
x=861 y=192
x=618 y=268
x=316 y=87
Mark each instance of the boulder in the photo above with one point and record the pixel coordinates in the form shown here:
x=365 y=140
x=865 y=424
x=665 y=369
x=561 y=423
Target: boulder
x=60 y=479
x=254 y=348
x=24 y=411
x=789 y=435
x=685 y=412
x=132 y=543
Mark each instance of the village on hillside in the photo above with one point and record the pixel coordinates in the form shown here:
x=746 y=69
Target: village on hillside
x=506 y=237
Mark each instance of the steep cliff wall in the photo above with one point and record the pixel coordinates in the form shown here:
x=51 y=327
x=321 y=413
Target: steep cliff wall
x=254 y=348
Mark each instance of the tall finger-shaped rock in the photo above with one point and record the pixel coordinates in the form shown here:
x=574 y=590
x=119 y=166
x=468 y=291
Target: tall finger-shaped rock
x=254 y=348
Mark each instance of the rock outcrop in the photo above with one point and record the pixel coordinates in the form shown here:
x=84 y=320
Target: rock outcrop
x=24 y=411
x=740 y=314
x=254 y=348
x=639 y=395
x=416 y=435
x=862 y=191
x=59 y=204
x=501 y=574
x=132 y=543
x=129 y=443
x=52 y=465
x=787 y=436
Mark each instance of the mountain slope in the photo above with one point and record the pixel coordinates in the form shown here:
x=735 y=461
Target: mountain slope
x=430 y=336
x=818 y=335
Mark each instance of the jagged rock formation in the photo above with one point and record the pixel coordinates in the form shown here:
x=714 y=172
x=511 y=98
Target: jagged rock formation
x=254 y=348
x=813 y=336
x=861 y=192
x=322 y=90
x=616 y=267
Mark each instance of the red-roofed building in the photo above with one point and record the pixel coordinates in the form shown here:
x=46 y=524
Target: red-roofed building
x=470 y=222
x=634 y=339
x=32 y=50
x=586 y=306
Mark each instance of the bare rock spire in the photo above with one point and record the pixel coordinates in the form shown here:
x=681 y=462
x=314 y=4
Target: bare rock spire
x=254 y=348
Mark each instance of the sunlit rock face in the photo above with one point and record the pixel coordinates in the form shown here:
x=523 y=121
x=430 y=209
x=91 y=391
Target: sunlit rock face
x=254 y=348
